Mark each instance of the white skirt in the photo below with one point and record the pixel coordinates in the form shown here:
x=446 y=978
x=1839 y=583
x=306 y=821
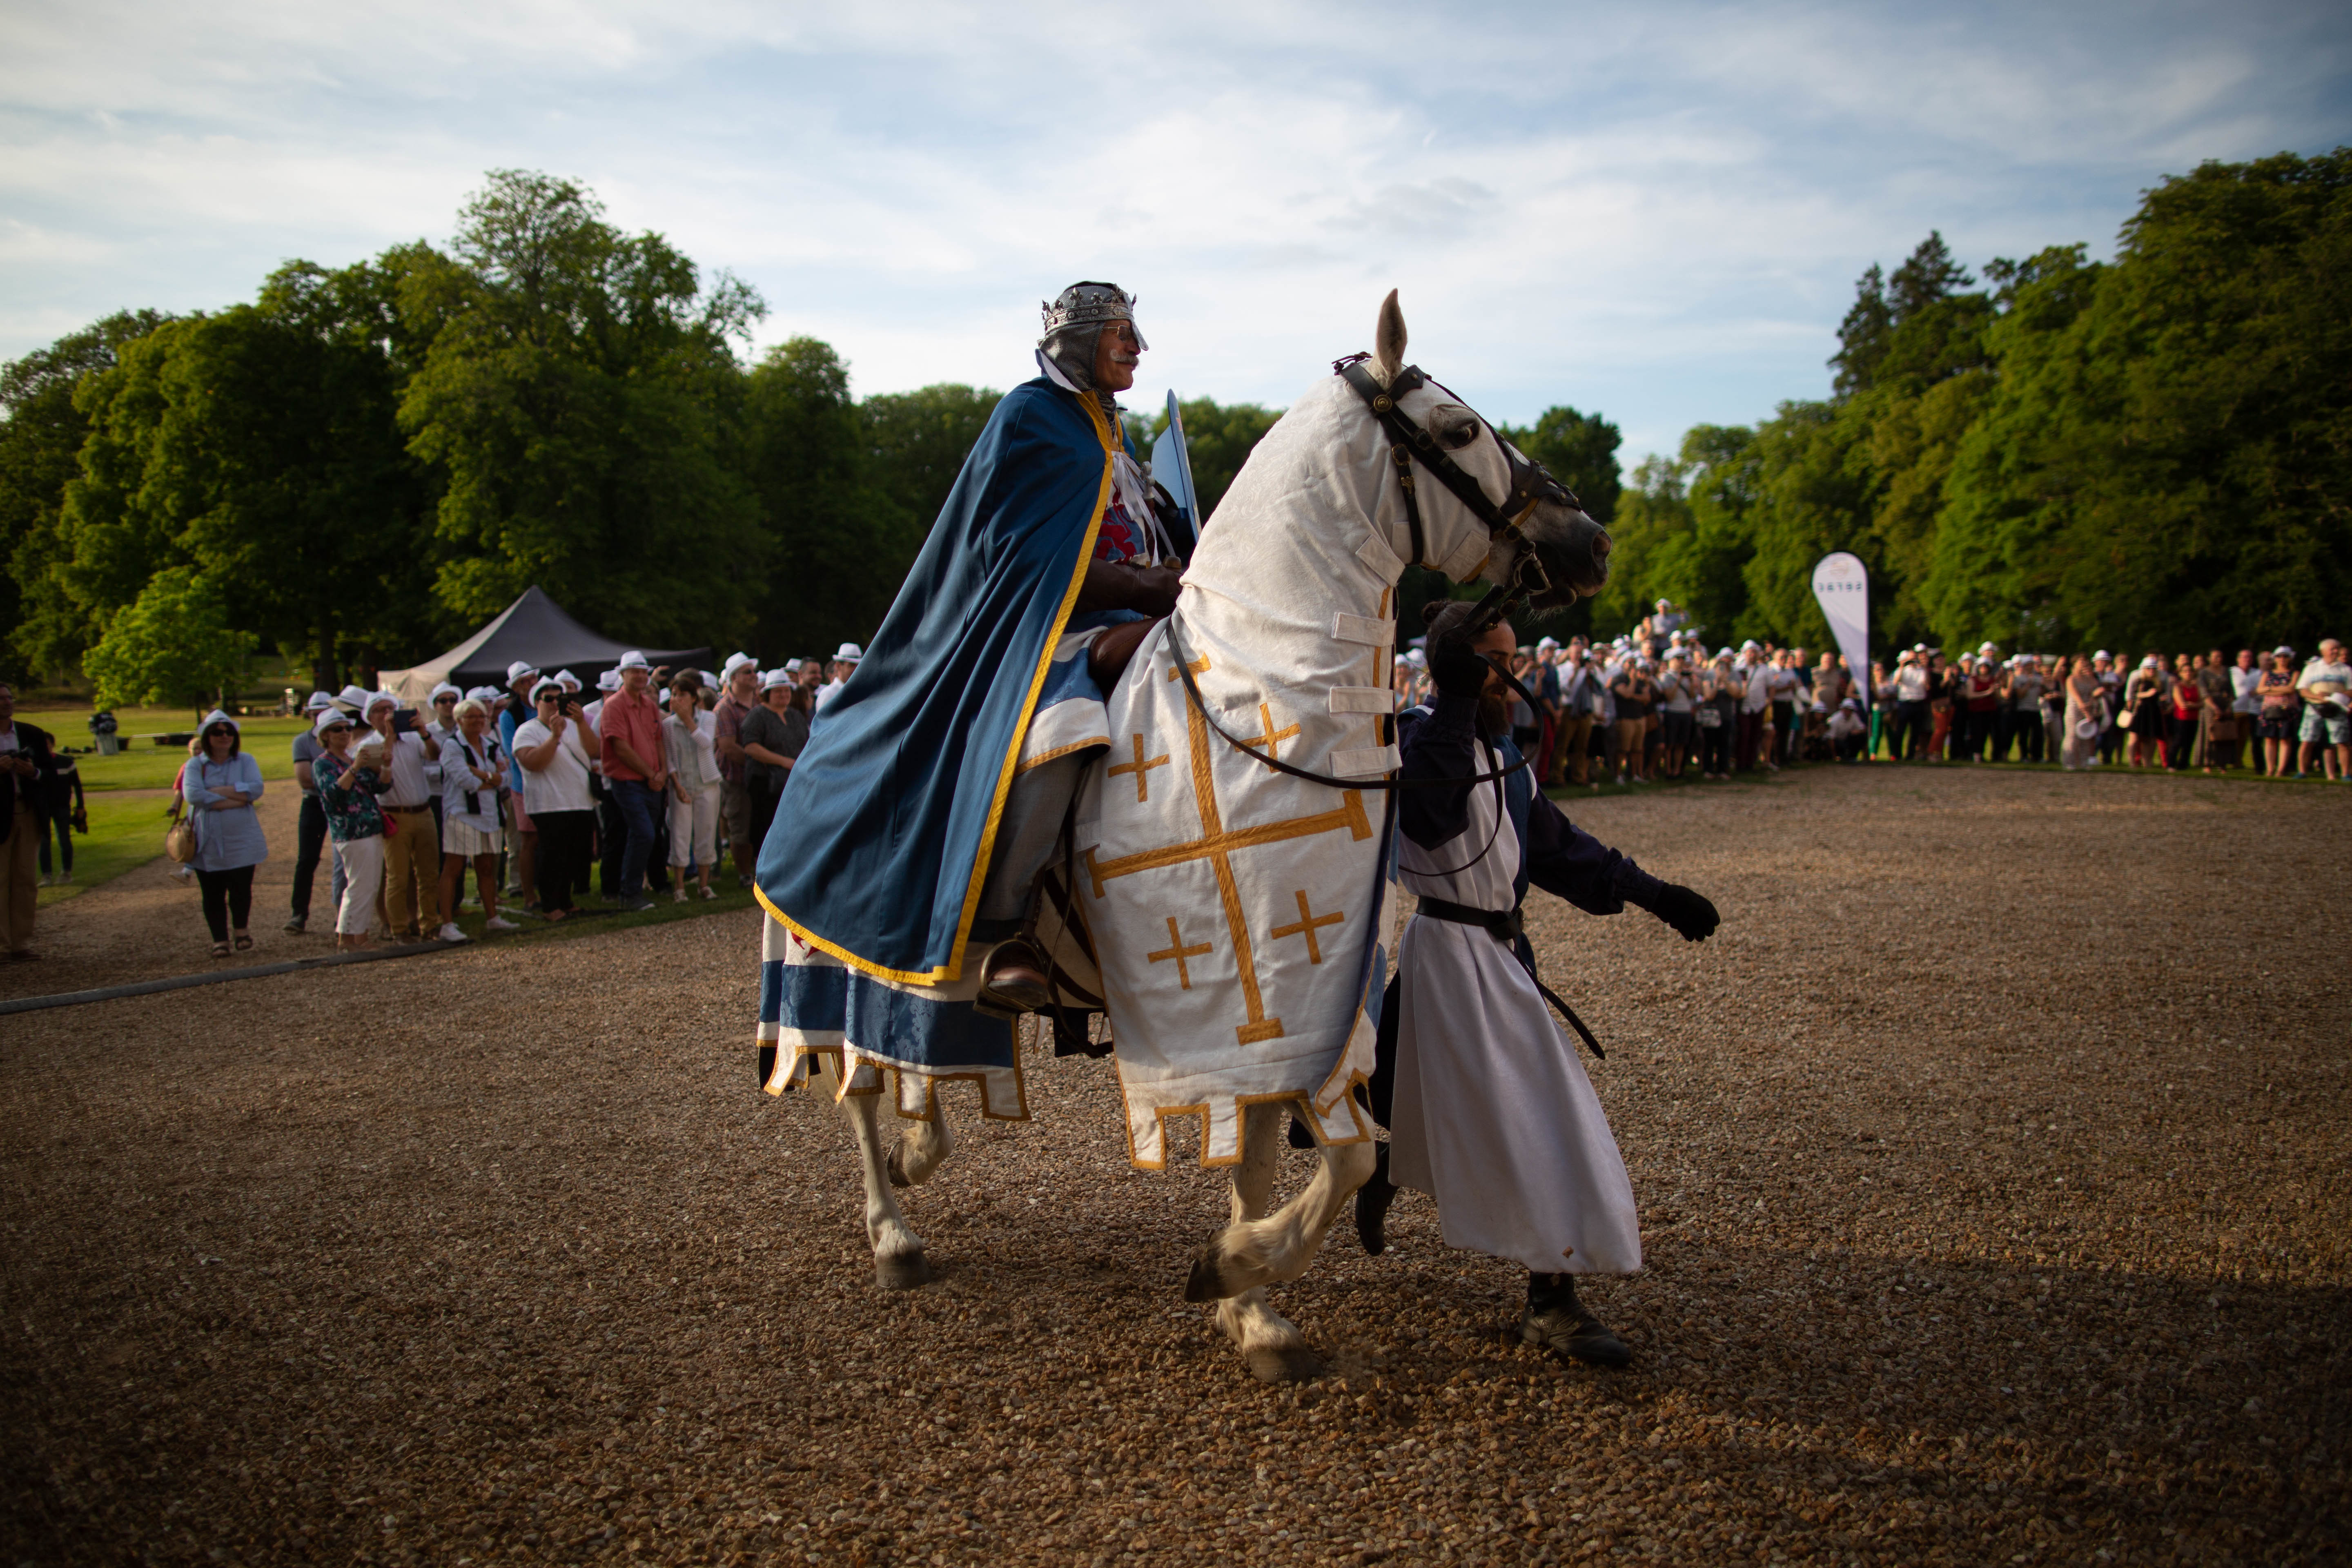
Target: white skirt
x=1495 y=1118
x=460 y=837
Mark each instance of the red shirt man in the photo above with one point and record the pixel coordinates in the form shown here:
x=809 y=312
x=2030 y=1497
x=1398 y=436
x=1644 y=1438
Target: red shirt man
x=630 y=727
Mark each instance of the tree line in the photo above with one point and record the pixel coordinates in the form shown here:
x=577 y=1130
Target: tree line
x=364 y=464
x=2149 y=453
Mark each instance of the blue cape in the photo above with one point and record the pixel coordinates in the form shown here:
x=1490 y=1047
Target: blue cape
x=881 y=840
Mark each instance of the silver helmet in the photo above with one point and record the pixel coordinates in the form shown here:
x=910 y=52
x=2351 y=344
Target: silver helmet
x=1075 y=320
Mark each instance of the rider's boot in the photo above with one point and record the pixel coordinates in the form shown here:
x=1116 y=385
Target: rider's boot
x=1014 y=978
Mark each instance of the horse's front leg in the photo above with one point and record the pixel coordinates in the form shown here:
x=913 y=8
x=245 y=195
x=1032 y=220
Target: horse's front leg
x=898 y=1261
x=1271 y=1345
x=1252 y=1251
x=921 y=1146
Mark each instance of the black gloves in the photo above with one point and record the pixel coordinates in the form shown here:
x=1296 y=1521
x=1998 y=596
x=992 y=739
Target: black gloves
x=1686 y=910
x=1454 y=669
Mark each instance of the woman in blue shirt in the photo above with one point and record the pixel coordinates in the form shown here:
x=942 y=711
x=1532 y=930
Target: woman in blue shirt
x=220 y=786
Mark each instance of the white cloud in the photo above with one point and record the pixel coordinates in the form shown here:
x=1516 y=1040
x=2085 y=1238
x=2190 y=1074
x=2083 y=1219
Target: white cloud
x=1655 y=211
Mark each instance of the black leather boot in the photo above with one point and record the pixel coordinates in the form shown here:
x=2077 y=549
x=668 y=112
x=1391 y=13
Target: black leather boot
x=1557 y=1321
x=1373 y=1200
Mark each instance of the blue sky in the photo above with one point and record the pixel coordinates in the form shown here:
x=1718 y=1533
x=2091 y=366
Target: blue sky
x=1657 y=210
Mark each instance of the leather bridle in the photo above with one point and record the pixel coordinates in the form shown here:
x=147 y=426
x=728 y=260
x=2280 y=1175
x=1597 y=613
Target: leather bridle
x=1530 y=485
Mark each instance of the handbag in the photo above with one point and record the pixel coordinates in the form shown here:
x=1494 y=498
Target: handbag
x=180 y=837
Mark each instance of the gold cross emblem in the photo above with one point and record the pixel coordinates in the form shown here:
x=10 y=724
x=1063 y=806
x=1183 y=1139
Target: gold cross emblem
x=1270 y=736
x=1216 y=845
x=1141 y=768
x=1307 y=922
x=1180 y=952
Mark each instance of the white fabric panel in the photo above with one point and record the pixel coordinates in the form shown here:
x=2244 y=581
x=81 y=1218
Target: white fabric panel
x=1365 y=762
x=1370 y=631
x=1386 y=563
x=1363 y=700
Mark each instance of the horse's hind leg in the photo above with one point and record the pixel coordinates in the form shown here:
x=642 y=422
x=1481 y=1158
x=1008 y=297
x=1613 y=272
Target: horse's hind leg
x=1253 y=1251
x=898 y=1261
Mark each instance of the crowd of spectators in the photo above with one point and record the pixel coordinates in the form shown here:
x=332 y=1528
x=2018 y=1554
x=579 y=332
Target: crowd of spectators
x=655 y=781
x=637 y=786
x=1659 y=703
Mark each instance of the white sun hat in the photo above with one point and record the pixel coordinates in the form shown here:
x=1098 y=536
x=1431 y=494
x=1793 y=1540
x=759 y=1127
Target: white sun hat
x=848 y=653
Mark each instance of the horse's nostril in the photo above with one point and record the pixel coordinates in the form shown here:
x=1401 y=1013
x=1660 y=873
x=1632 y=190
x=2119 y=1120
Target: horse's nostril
x=1601 y=547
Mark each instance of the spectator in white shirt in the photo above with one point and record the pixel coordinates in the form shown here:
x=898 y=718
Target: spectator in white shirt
x=689 y=738
x=2326 y=685
x=411 y=850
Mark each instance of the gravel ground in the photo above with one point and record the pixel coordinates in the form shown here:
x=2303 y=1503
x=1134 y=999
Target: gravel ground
x=147 y=923
x=1992 y=1163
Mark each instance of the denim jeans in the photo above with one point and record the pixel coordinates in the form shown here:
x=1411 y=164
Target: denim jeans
x=635 y=802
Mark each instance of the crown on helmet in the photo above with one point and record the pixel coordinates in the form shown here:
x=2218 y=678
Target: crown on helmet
x=1083 y=304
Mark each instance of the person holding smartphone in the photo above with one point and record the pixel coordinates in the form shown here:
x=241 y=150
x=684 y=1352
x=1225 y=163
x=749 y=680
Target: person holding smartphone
x=554 y=750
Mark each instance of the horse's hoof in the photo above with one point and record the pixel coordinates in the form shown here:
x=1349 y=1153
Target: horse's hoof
x=902 y=1271
x=1284 y=1363
x=1207 y=1281
x=896 y=1165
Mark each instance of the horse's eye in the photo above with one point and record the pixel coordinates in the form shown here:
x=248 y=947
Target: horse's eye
x=1457 y=432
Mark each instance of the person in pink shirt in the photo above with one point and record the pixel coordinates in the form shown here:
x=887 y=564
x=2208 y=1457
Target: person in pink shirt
x=635 y=774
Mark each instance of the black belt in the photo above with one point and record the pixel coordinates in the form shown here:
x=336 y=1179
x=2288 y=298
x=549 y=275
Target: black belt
x=1505 y=926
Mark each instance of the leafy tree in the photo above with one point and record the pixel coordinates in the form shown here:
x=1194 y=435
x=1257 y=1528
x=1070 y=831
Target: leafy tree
x=2169 y=460
x=1580 y=451
x=916 y=443
x=258 y=447
x=841 y=541
x=574 y=405
x=176 y=643
x=39 y=442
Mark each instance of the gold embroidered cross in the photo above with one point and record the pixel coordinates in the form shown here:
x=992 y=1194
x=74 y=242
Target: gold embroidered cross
x=1270 y=736
x=1307 y=922
x=1217 y=845
x=1141 y=768
x=1180 y=952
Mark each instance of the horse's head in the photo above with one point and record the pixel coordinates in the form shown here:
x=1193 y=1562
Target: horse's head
x=1524 y=513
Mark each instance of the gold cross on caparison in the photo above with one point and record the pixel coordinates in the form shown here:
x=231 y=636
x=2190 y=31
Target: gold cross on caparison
x=1307 y=922
x=1141 y=768
x=1180 y=952
x=1269 y=737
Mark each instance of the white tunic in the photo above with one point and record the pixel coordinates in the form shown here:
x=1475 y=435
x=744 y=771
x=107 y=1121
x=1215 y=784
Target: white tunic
x=1493 y=1114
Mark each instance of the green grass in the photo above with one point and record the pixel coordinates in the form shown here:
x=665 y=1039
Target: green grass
x=126 y=831
x=142 y=764
x=664 y=913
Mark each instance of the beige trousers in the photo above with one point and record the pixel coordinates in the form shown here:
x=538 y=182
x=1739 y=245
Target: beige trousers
x=412 y=873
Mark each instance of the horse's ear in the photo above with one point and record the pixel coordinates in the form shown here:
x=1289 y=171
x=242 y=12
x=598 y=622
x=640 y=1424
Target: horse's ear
x=1387 y=342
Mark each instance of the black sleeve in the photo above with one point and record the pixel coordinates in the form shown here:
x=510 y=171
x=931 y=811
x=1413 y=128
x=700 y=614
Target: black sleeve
x=1564 y=860
x=1440 y=744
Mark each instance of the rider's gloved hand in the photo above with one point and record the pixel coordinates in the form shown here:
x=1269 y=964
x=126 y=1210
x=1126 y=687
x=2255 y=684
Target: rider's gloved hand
x=1686 y=910
x=1455 y=668
x=1118 y=586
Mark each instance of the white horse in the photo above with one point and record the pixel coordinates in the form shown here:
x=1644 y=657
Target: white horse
x=1236 y=919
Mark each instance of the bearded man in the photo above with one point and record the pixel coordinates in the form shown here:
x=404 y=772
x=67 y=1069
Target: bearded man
x=1488 y=1106
x=934 y=785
